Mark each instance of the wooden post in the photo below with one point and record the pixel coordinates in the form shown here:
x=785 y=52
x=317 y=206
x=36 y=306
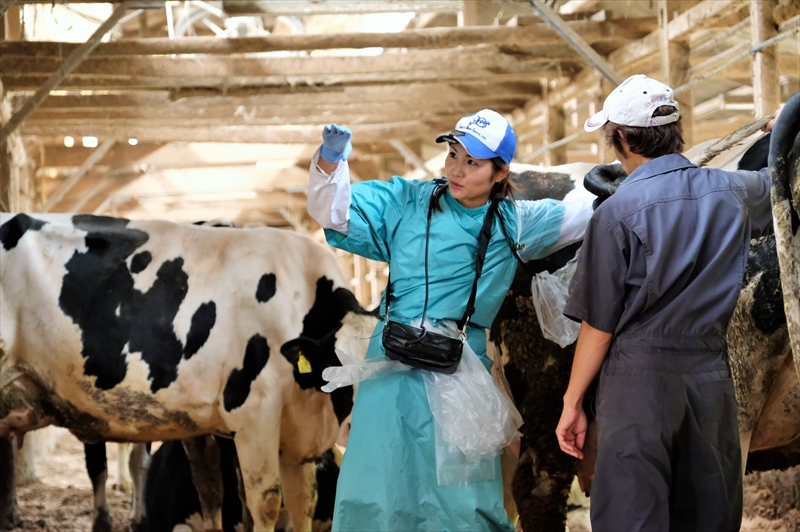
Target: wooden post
x=58 y=76
x=764 y=71
x=605 y=152
x=676 y=69
x=12 y=24
x=469 y=13
x=556 y=128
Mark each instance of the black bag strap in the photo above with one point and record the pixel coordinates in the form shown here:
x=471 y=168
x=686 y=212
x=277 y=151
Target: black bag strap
x=513 y=246
x=483 y=244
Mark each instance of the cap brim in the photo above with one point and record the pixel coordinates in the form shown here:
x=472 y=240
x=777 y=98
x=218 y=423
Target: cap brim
x=474 y=147
x=595 y=122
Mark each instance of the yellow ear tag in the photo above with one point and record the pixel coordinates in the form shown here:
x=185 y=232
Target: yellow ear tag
x=303 y=365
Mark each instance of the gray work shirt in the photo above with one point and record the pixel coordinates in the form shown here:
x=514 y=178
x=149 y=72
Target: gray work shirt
x=664 y=257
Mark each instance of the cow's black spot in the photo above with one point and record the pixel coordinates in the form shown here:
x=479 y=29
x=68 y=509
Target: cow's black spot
x=95 y=287
x=237 y=388
x=16 y=227
x=140 y=261
x=768 y=312
x=98 y=294
x=202 y=321
x=266 y=288
x=537 y=185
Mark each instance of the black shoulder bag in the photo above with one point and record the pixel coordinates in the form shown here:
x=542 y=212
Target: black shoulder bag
x=423 y=349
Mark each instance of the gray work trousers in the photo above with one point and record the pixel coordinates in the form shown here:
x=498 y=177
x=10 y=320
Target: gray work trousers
x=668 y=441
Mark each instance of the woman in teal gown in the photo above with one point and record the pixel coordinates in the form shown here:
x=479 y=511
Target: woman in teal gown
x=388 y=478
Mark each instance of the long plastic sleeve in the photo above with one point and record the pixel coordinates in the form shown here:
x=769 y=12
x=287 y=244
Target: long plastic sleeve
x=329 y=196
x=577 y=214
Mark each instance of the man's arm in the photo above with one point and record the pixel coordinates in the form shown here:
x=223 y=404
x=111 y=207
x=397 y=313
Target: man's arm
x=590 y=352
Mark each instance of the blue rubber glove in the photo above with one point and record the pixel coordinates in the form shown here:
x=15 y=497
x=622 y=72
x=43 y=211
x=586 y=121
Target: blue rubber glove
x=335 y=143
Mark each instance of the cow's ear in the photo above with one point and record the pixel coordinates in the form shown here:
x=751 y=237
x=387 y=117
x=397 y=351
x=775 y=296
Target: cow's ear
x=302 y=353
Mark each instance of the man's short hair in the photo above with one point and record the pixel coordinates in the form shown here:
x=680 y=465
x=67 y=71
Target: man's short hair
x=650 y=142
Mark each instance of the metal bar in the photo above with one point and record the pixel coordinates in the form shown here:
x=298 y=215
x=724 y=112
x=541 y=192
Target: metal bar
x=739 y=57
x=556 y=144
x=79 y=173
x=72 y=61
x=5 y=5
x=403 y=149
x=577 y=43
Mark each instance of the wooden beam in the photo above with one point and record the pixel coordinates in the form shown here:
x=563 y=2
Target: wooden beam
x=85 y=167
x=577 y=43
x=216 y=66
x=478 y=76
x=348 y=98
x=403 y=149
x=426 y=38
x=295 y=8
x=766 y=82
x=239 y=134
x=296 y=114
x=570 y=7
x=69 y=64
x=630 y=57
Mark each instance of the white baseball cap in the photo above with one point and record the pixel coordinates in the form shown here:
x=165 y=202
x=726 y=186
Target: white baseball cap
x=485 y=135
x=633 y=103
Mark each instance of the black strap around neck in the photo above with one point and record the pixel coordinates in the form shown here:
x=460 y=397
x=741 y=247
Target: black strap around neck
x=483 y=244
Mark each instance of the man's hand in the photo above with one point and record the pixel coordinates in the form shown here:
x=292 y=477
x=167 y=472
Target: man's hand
x=771 y=123
x=571 y=431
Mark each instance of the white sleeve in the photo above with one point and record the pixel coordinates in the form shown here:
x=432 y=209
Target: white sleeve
x=329 y=196
x=577 y=214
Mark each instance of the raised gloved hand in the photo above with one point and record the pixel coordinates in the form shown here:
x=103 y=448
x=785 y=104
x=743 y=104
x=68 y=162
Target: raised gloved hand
x=335 y=143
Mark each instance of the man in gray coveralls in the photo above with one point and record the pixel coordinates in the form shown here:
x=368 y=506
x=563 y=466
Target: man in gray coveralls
x=656 y=283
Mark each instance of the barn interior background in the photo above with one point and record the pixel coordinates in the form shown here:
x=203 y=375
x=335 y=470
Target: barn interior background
x=196 y=110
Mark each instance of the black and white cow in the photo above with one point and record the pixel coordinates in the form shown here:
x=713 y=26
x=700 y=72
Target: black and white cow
x=537 y=370
x=145 y=330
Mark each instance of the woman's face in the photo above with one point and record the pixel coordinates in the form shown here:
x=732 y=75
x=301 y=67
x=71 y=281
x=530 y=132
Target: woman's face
x=470 y=179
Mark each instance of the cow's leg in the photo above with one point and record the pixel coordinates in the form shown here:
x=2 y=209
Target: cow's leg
x=257 y=446
x=8 y=494
x=203 y=454
x=300 y=494
x=139 y=466
x=247 y=519
x=122 y=481
x=98 y=473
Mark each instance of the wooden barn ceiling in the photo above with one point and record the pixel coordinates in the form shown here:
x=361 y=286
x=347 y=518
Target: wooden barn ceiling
x=192 y=81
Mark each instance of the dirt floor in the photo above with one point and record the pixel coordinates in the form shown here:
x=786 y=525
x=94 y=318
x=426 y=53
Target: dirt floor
x=61 y=500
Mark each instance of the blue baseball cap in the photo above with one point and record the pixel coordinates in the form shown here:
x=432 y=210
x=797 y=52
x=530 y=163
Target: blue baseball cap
x=485 y=135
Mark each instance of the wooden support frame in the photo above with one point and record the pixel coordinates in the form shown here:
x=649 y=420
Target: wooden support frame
x=766 y=84
x=403 y=149
x=577 y=43
x=96 y=155
x=58 y=76
x=676 y=69
x=423 y=38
